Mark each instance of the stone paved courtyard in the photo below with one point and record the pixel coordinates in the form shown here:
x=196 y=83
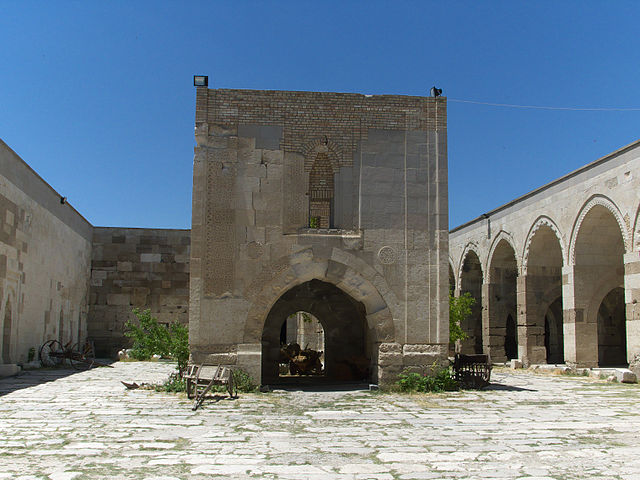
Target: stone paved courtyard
x=61 y=425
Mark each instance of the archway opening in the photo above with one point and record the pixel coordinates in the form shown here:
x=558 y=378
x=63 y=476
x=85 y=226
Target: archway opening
x=543 y=298
x=553 y=332
x=301 y=345
x=471 y=282
x=612 y=332
x=599 y=282
x=347 y=341
x=502 y=302
x=6 y=334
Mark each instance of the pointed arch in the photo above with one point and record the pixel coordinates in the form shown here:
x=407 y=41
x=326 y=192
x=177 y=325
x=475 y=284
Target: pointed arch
x=471 y=279
x=506 y=237
x=603 y=201
x=542 y=221
x=469 y=247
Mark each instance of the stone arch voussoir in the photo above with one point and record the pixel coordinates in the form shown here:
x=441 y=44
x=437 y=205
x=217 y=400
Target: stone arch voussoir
x=469 y=247
x=636 y=231
x=350 y=274
x=322 y=145
x=507 y=237
x=542 y=221
x=607 y=203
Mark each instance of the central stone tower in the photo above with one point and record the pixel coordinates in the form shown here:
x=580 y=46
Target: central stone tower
x=333 y=204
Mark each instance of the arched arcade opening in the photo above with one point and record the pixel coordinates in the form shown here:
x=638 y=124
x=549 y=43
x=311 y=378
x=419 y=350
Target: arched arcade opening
x=502 y=303
x=543 y=297
x=600 y=336
x=347 y=339
x=471 y=282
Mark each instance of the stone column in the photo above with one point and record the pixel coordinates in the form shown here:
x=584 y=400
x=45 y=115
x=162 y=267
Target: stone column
x=531 y=349
x=580 y=336
x=631 y=299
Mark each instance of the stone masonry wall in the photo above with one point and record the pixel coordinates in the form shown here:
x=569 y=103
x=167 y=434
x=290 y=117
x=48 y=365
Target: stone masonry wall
x=136 y=268
x=45 y=251
x=384 y=157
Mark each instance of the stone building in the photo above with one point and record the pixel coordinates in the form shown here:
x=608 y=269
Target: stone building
x=45 y=260
x=326 y=203
x=556 y=272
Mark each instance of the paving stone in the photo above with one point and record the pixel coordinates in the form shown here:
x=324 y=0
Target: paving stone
x=530 y=426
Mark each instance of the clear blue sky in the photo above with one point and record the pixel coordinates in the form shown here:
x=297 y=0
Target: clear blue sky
x=98 y=98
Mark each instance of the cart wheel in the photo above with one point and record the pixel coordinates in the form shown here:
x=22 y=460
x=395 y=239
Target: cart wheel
x=81 y=357
x=50 y=353
x=190 y=392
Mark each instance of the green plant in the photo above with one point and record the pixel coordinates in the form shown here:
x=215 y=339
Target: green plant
x=442 y=381
x=153 y=338
x=244 y=382
x=459 y=310
x=314 y=222
x=31 y=355
x=174 y=384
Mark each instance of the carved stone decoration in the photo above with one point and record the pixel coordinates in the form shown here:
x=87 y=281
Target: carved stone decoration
x=387 y=255
x=255 y=250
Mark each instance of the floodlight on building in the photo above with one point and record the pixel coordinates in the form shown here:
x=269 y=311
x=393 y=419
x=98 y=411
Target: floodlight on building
x=435 y=92
x=200 y=81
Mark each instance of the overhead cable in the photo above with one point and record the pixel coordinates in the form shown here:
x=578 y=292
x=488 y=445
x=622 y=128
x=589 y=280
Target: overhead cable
x=540 y=107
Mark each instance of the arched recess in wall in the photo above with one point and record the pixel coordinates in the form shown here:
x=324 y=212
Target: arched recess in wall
x=543 y=260
x=321 y=192
x=7 y=327
x=322 y=161
x=501 y=305
x=598 y=245
x=471 y=279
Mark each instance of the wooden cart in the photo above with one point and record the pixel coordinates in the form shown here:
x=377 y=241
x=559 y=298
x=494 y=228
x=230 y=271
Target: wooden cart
x=201 y=378
x=472 y=371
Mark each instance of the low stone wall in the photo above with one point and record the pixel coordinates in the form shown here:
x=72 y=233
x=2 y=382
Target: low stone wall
x=136 y=268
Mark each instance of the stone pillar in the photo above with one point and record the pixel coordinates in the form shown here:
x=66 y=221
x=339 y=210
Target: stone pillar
x=580 y=336
x=631 y=299
x=531 y=349
x=493 y=334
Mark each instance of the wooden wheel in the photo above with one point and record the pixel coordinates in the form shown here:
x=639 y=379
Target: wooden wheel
x=51 y=353
x=81 y=357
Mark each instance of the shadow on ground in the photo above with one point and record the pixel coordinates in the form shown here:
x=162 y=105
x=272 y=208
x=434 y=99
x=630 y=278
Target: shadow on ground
x=32 y=378
x=507 y=388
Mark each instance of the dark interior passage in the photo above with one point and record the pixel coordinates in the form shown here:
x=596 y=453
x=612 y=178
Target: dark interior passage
x=511 y=339
x=553 y=332
x=346 y=338
x=612 y=341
